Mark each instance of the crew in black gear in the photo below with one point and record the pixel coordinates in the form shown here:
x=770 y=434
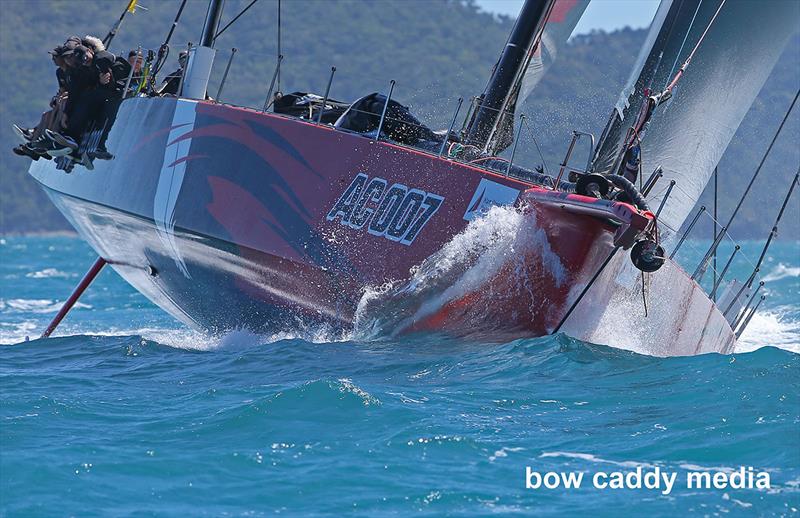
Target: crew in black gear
x=34 y=143
x=173 y=80
x=95 y=86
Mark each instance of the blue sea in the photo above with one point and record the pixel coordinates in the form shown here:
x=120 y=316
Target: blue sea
x=126 y=412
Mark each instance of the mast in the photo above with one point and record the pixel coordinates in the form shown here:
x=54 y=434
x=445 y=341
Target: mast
x=504 y=83
x=212 y=23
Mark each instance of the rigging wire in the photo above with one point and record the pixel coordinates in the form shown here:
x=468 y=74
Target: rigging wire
x=650 y=105
x=707 y=257
x=763 y=159
x=129 y=8
x=661 y=54
x=545 y=169
x=697 y=46
x=251 y=4
x=163 y=50
x=774 y=231
x=175 y=22
x=614 y=112
x=586 y=288
x=714 y=258
x=730 y=238
x=644 y=295
x=667 y=93
x=685 y=37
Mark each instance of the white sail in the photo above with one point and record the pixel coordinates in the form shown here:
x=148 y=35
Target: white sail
x=628 y=90
x=688 y=134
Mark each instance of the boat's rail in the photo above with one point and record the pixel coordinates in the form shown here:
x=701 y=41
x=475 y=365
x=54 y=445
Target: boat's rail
x=446 y=150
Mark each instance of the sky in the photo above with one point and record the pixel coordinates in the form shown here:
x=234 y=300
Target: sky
x=607 y=15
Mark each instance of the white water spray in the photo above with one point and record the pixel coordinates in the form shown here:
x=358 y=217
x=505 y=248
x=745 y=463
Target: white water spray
x=464 y=265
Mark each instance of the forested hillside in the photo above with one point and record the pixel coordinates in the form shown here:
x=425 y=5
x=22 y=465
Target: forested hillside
x=437 y=50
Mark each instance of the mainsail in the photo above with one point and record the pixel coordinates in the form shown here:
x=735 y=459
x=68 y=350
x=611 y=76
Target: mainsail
x=689 y=133
x=541 y=29
x=560 y=24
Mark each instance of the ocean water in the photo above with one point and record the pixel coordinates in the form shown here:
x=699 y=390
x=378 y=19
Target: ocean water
x=125 y=412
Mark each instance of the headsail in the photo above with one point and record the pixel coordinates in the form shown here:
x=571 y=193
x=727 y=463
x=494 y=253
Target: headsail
x=641 y=77
x=688 y=134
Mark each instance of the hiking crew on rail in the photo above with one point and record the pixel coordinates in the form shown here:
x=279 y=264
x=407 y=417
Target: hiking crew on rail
x=91 y=86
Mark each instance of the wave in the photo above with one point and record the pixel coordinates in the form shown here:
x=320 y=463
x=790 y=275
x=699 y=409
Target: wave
x=777 y=327
x=236 y=339
x=774 y=327
x=588 y=457
x=49 y=273
x=36 y=305
x=782 y=271
x=333 y=399
x=174 y=337
x=17 y=332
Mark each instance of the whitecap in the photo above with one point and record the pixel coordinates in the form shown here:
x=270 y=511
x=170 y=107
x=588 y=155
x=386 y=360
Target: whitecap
x=36 y=305
x=696 y=467
x=191 y=339
x=774 y=328
x=346 y=385
x=782 y=271
x=503 y=452
x=48 y=273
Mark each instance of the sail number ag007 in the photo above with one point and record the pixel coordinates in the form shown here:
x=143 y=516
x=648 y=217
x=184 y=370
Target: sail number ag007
x=395 y=212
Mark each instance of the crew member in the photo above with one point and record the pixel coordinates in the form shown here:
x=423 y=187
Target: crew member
x=34 y=144
x=173 y=80
x=135 y=60
x=97 y=79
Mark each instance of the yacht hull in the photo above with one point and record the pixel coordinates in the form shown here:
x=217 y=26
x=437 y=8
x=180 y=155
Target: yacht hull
x=231 y=218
